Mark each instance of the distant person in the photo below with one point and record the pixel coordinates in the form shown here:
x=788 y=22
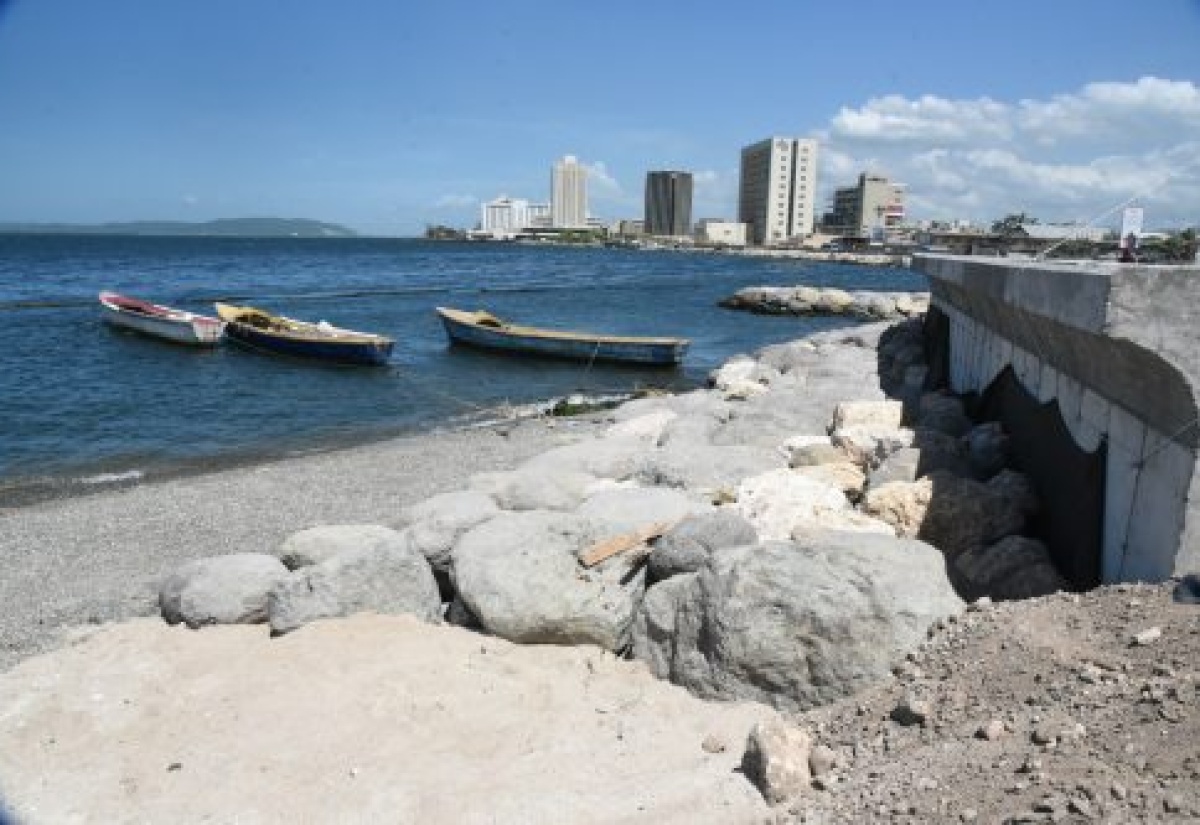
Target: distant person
x=1127 y=247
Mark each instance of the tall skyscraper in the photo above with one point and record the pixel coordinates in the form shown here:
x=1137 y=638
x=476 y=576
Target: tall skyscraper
x=668 y=203
x=778 y=189
x=568 y=194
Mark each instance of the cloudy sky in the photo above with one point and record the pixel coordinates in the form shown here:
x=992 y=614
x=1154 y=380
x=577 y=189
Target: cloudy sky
x=386 y=118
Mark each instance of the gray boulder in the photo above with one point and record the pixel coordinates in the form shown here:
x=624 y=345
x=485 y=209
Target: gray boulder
x=603 y=458
x=798 y=624
x=703 y=469
x=434 y=524
x=1015 y=567
x=318 y=544
x=534 y=488
x=944 y=412
x=931 y=450
x=519 y=575
x=391 y=577
x=625 y=509
x=987 y=448
x=653 y=632
x=220 y=590
x=687 y=547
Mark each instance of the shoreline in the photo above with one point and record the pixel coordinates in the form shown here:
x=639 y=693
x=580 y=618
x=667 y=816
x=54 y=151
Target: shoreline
x=107 y=475
x=96 y=556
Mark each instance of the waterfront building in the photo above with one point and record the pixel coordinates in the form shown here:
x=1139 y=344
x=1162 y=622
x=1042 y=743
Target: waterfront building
x=668 y=203
x=539 y=215
x=867 y=209
x=777 y=189
x=628 y=229
x=721 y=233
x=504 y=216
x=568 y=194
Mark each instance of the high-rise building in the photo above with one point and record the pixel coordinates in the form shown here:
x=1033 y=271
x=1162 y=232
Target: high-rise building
x=668 y=203
x=870 y=208
x=505 y=215
x=568 y=194
x=778 y=188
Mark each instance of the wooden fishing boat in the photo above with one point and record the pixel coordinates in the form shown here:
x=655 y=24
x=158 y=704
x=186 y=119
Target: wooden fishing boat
x=169 y=324
x=482 y=329
x=261 y=330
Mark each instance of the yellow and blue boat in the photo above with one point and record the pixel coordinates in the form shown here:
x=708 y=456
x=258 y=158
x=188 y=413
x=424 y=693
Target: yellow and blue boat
x=261 y=330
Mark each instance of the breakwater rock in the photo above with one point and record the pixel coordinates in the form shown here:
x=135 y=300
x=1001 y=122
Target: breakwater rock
x=786 y=535
x=810 y=300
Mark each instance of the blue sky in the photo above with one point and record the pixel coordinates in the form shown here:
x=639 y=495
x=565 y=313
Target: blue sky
x=387 y=116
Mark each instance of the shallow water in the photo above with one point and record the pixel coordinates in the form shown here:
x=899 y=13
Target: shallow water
x=80 y=400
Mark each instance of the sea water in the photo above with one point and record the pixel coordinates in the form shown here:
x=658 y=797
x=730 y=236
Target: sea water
x=84 y=403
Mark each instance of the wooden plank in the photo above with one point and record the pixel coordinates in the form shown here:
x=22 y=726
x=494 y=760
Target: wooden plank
x=608 y=548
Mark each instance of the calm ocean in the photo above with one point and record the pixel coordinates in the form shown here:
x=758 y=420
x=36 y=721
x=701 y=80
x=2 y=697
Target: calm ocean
x=80 y=401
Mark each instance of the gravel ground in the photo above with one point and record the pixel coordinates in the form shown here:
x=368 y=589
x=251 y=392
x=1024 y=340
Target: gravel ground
x=98 y=558
x=1067 y=708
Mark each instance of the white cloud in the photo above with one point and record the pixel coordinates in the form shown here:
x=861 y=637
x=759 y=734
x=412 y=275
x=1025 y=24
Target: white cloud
x=600 y=180
x=1069 y=157
x=454 y=201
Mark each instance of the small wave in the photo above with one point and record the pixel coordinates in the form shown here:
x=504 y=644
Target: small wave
x=113 y=478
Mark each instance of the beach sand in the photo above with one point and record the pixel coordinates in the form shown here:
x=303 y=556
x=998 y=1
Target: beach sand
x=362 y=719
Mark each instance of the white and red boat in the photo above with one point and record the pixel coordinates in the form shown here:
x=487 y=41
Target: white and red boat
x=167 y=323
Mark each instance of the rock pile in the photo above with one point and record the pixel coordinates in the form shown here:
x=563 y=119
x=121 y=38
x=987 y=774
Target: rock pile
x=811 y=300
x=806 y=532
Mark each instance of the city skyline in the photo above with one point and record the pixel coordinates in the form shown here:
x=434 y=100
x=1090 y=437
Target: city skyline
x=392 y=118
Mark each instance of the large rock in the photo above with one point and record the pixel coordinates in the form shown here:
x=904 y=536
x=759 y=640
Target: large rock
x=519 y=576
x=944 y=412
x=653 y=632
x=776 y=760
x=220 y=590
x=318 y=544
x=534 y=488
x=796 y=625
x=931 y=450
x=647 y=428
x=391 y=578
x=879 y=415
x=435 y=523
x=953 y=513
x=604 y=458
x=687 y=547
x=1015 y=567
x=703 y=469
x=625 y=509
x=778 y=501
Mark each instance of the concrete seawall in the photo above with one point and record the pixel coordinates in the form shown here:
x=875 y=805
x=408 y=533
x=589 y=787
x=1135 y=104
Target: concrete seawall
x=1116 y=350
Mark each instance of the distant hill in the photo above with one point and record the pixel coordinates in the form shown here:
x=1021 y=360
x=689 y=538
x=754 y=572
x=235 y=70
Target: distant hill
x=227 y=227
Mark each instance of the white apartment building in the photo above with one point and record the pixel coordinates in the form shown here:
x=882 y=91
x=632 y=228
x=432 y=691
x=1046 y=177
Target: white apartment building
x=539 y=215
x=505 y=216
x=778 y=189
x=568 y=194
x=721 y=233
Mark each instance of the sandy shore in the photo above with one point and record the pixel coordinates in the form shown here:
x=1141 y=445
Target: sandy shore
x=98 y=558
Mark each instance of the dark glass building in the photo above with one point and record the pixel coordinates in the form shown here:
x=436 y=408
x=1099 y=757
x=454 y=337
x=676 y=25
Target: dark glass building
x=669 y=203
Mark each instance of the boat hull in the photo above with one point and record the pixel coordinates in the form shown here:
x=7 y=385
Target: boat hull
x=301 y=339
x=370 y=354
x=166 y=324
x=579 y=347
